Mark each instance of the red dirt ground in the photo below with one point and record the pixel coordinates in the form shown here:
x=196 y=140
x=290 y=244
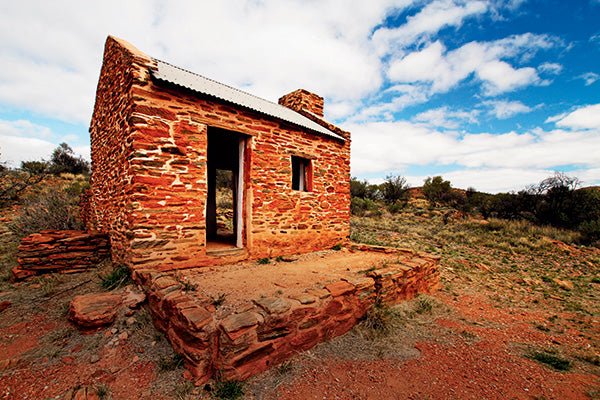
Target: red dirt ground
x=488 y=367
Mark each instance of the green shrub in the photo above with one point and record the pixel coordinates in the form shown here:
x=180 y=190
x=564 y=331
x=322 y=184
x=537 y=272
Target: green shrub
x=51 y=209
x=361 y=207
x=436 y=189
x=590 y=232
x=396 y=206
x=394 y=189
x=364 y=190
x=63 y=160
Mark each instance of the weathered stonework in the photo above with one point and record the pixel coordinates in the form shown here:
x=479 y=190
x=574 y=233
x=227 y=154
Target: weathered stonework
x=260 y=331
x=149 y=176
x=64 y=251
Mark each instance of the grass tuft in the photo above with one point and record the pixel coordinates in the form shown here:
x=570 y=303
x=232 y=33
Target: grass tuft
x=119 y=276
x=380 y=320
x=263 y=261
x=229 y=390
x=103 y=391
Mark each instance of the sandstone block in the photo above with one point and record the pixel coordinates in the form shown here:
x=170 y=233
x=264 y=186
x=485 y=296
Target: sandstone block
x=273 y=305
x=94 y=310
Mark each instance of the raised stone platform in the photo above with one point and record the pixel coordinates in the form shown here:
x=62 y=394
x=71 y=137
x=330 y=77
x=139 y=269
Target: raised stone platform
x=238 y=320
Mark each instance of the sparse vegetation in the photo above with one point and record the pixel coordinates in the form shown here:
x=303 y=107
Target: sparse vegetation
x=228 y=390
x=264 y=261
x=552 y=360
x=118 y=277
x=219 y=300
x=103 y=392
x=170 y=363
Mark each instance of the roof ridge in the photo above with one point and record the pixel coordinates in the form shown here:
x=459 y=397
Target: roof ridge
x=190 y=80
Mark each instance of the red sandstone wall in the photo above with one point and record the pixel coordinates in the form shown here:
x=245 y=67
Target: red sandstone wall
x=149 y=155
x=110 y=147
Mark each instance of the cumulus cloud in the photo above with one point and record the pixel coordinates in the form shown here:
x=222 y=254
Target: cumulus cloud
x=443 y=70
x=50 y=58
x=503 y=109
x=428 y=21
x=23 y=140
x=400 y=144
x=586 y=117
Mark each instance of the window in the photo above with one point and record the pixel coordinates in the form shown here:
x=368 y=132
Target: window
x=301 y=174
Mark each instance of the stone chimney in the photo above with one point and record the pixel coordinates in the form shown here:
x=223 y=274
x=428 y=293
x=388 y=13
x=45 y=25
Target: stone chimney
x=303 y=100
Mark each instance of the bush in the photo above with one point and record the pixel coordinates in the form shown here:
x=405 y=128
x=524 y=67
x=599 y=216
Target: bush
x=436 y=189
x=360 y=207
x=51 y=209
x=590 y=232
x=364 y=190
x=119 y=276
x=15 y=182
x=394 y=189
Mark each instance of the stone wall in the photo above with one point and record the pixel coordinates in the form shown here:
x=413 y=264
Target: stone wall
x=265 y=331
x=149 y=175
x=65 y=251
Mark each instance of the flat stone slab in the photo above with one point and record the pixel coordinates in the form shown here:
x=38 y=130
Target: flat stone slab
x=94 y=310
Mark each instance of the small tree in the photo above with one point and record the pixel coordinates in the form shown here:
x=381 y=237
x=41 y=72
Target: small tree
x=394 y=189
x=64 y=160
x=364 y=190
x=14 y=182
x=436 y=189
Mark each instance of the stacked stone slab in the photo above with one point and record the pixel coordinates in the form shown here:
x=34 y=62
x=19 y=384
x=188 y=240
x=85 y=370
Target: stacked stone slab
x=64 y=251
x=265 y=331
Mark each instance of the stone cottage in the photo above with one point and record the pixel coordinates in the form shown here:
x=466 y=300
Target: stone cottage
x=161 y=134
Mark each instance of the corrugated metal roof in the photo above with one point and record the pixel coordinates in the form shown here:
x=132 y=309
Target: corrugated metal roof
x=198 y=83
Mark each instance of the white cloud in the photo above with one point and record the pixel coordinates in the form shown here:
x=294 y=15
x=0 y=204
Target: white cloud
x=442 y=70
x=443 y=117
x=586 y=117
x=24 y=128
x=490 y=180
x=22 y=140
x=429 y=20
x=15 y=149
x=550 y=68
x=503 y=109
x=50 y=52
x=380 y=147
x=589 y=78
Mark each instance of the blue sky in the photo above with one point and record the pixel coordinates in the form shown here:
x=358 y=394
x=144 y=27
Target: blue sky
x=490 y=94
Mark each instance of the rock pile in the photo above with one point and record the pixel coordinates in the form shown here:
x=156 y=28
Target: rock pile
x=63 y=251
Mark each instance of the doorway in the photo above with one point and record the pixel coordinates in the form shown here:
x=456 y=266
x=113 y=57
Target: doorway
x=225 y=165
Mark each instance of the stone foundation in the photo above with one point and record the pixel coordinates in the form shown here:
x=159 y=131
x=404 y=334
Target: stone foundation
x=251 y=333
x=65 y=251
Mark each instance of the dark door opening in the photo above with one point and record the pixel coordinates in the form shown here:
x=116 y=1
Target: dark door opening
x=225 y=188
